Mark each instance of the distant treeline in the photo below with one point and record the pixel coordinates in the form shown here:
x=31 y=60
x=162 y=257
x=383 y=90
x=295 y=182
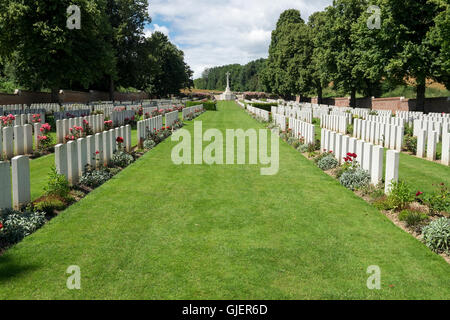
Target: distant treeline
x=242 y=78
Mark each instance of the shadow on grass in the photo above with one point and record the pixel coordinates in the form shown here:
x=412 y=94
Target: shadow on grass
x=10 y=268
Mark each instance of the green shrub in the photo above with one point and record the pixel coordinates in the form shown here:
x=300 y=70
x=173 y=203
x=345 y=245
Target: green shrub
x=410 y=144
x=302 y=148
x=412 y=218
x=400 y=196
x=438 y=201
x=95 y=178
x=320 y=156
x=355 y=179
x=328 y=163
x=49 y=204
x=57 y=184
x=18 y=225
x=207 y=105
x=121 y=159
x=437 y=235
x=149 y=144
x=350 y=129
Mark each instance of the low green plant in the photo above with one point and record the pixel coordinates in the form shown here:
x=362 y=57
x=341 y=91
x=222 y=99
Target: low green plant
x=49 y=204
x=438 y=201
x=57 y=184
x=321 y=156
x=437 y=235
x=350 y=129
x=355 y=179
x=95 y=178
x=302 y=148
x=121 y=159
x=400 y=195
x=410 y=144
x=412 y=218
x=327 y=163
x=149 y=144
x=18 y=225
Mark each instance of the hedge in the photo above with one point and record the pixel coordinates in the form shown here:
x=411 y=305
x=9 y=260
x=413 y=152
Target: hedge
x=207 y=105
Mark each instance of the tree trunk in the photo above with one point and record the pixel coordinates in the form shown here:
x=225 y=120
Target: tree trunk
x=420 y=100
x=353 y=99
x=111 y=88
x=319 y=94
x=55 y=95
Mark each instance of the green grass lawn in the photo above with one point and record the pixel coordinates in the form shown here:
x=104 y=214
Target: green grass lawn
x=420 y=174
x=160 y=231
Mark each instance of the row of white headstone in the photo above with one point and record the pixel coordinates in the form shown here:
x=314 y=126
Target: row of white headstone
x=71 y=114
x=17 y=140
x=336 y=123
x=120 y=117
x=72 y=158
x=383 y=134
x=191 y=110
x=428 y=141
x=431 y=126
x=49 y=107
x=263 y=114
x=15 y=189
x=301 y=129
x=148 y=125
x=370 y=157
x=22 y=119
x=280 y=121
x=171 y=118
x=96 y=123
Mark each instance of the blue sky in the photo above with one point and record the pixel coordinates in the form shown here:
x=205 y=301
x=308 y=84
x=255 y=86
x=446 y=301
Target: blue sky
x=213 y=33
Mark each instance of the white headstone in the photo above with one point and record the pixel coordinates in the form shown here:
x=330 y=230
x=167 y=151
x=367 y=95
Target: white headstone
x=392 y=165
x=5 y=186
x=21 y=181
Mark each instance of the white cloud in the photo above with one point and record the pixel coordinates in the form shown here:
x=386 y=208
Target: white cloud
x=213 y=32
x=156 y=27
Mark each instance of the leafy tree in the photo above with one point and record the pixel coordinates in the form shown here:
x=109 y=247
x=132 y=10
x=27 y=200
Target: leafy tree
x=401 y=49
x=439 y=36
x=281 y=74
x=45 y=53
x=341 y=52
x=243 y=78
x=127 y=19
x=163 y=70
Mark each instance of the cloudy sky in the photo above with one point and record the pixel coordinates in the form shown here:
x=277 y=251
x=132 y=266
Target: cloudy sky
x=213 y=33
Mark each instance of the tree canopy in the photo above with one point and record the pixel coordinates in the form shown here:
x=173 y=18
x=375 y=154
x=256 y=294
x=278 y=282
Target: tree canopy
x=110 y=48
x=242 y=78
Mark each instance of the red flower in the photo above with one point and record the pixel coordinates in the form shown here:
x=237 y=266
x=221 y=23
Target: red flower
x=97 y=152
x=419 y=193
x=119 y=140
x=1 y=226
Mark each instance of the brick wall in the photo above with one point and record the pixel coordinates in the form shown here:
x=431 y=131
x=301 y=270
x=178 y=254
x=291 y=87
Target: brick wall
x=68 y=96
x=394 y=104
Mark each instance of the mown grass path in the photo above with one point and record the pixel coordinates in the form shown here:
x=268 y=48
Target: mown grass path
x=160 y=231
